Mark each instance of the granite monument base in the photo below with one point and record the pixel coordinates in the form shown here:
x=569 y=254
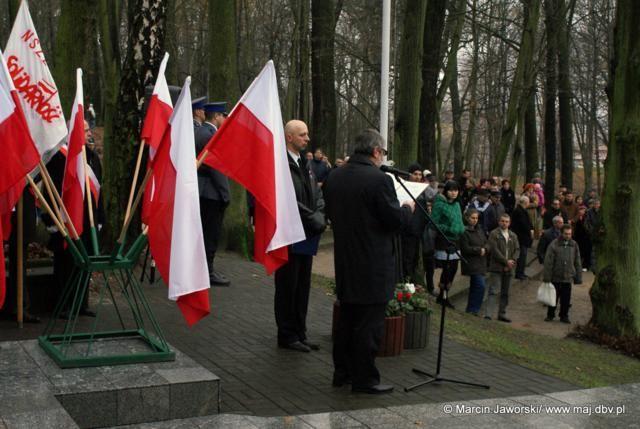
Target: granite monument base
x=37 y=393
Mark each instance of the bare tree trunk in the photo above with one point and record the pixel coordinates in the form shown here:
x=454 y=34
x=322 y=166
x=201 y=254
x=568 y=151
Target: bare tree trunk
x=550 y=93
x=324 y=119
x=77 y=22
x=456 y=111
x=522 y=83
x=531 y=157
x=431 y=65
x=122 y=134
x=564 y=96
x=406 y=104
x=473 y=89
x=615 y=295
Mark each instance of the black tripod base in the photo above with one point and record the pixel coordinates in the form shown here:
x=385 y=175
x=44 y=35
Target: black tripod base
x=437 y=379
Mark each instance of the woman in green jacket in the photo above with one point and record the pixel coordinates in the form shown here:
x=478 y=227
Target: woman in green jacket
x=447 y=215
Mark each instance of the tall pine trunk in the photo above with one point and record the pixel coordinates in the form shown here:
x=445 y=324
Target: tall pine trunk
x=431 y=65
x=522 y=84
x=406 y=104
x=550 y=94
x=325 y=115
x=531 y=163
x=224 y=85
x=564 y=97
x=615 y=296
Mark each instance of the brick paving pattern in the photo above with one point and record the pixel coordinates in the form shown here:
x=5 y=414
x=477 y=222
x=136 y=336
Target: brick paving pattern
x=237 y=342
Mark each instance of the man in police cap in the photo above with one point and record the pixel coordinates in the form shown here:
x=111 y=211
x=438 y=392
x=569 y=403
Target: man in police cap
x=197 y=109
x=214 y=189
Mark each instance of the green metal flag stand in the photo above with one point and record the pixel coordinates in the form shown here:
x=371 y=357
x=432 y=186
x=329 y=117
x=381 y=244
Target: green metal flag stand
x=72 y=347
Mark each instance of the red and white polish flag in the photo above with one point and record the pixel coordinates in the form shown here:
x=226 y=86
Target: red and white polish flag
x=74 y=181
x=250 y=148
x=19 y=152
x=35 y=86
x=94 y=183
x=19 y=157
x=175 y=229
x=155 y=123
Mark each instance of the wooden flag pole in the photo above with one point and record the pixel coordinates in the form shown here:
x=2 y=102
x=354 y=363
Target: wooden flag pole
x=201 y=158
x=133 y=183
x=134 y=206
x=20 y=264
x=47 y=208
x=87 y=186
x=50 y=187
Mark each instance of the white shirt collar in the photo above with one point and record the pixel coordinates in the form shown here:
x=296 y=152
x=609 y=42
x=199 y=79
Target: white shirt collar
x=295 y=156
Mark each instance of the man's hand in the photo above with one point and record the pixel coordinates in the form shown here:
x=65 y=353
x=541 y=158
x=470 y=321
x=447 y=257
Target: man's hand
x=483 y=251
x=511 y=263
x=411 y=204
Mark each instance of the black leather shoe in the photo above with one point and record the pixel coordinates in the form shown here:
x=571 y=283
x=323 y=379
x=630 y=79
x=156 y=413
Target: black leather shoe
x=87 y=312
x=297 y=346
x=312 y=346
x=218 y=279
x=340 y=381
x=548 y=319
x=504 y=319
x=374 y=390
x=487 y=317
x=565 y=320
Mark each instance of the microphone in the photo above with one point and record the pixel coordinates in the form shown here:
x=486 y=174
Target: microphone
x=394 y=171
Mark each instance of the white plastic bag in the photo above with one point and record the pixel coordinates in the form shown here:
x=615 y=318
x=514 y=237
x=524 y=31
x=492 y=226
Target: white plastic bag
x=547 y=294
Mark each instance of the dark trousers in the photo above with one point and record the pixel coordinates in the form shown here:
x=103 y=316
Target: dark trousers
x=211 y=214
x=429 y=263
x=449 y=270
x=476 y=293
x=563 y=294
x=293 y=281
x=522 y=262
x=410 y=249
x=357 y=340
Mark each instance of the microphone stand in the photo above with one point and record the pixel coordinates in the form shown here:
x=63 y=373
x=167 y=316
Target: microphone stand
x=436 y=378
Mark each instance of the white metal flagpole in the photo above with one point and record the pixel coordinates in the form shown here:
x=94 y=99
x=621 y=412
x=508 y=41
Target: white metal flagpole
x=384 y=71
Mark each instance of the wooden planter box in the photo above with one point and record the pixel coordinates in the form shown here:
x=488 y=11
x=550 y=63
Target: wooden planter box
x=416 y=330
x=392 y=337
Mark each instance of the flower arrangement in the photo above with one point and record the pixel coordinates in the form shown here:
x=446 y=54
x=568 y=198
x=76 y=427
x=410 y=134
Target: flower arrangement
x=401 y=301
x=419 y=300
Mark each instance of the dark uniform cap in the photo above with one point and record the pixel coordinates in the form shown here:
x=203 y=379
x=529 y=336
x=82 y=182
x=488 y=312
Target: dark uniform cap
x=218 y=106
x=198 y=103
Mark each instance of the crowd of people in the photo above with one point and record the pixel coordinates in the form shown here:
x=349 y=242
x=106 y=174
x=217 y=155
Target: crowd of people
x=490 y=228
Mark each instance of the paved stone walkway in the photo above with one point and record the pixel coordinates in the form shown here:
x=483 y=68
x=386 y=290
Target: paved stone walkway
x=607 y=407
x=237 y=342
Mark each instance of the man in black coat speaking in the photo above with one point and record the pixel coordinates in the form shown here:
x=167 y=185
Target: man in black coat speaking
x=293 y=279
x=365 y=215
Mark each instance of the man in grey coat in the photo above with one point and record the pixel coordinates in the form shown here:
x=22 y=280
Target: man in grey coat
x=503 y=247
x=562 y=266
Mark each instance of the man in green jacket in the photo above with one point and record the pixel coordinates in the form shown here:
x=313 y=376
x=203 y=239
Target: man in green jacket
x=562 y=266
x=503 y=247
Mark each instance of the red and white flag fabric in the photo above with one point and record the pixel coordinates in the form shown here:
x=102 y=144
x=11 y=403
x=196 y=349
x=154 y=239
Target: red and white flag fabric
x=155 y=123
x=175 y=229
x=73 y=183
x=94 y=183
x=250 y=148
x=19 y=153
x=158 y=111
x=19 y=157
x=36 y=89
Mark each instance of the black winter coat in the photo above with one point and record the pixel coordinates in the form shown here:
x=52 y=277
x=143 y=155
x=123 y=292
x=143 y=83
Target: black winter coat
x=471 y=243
x=212 y=184
x=522 y=226
x=365 y=216
x=309 y=198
